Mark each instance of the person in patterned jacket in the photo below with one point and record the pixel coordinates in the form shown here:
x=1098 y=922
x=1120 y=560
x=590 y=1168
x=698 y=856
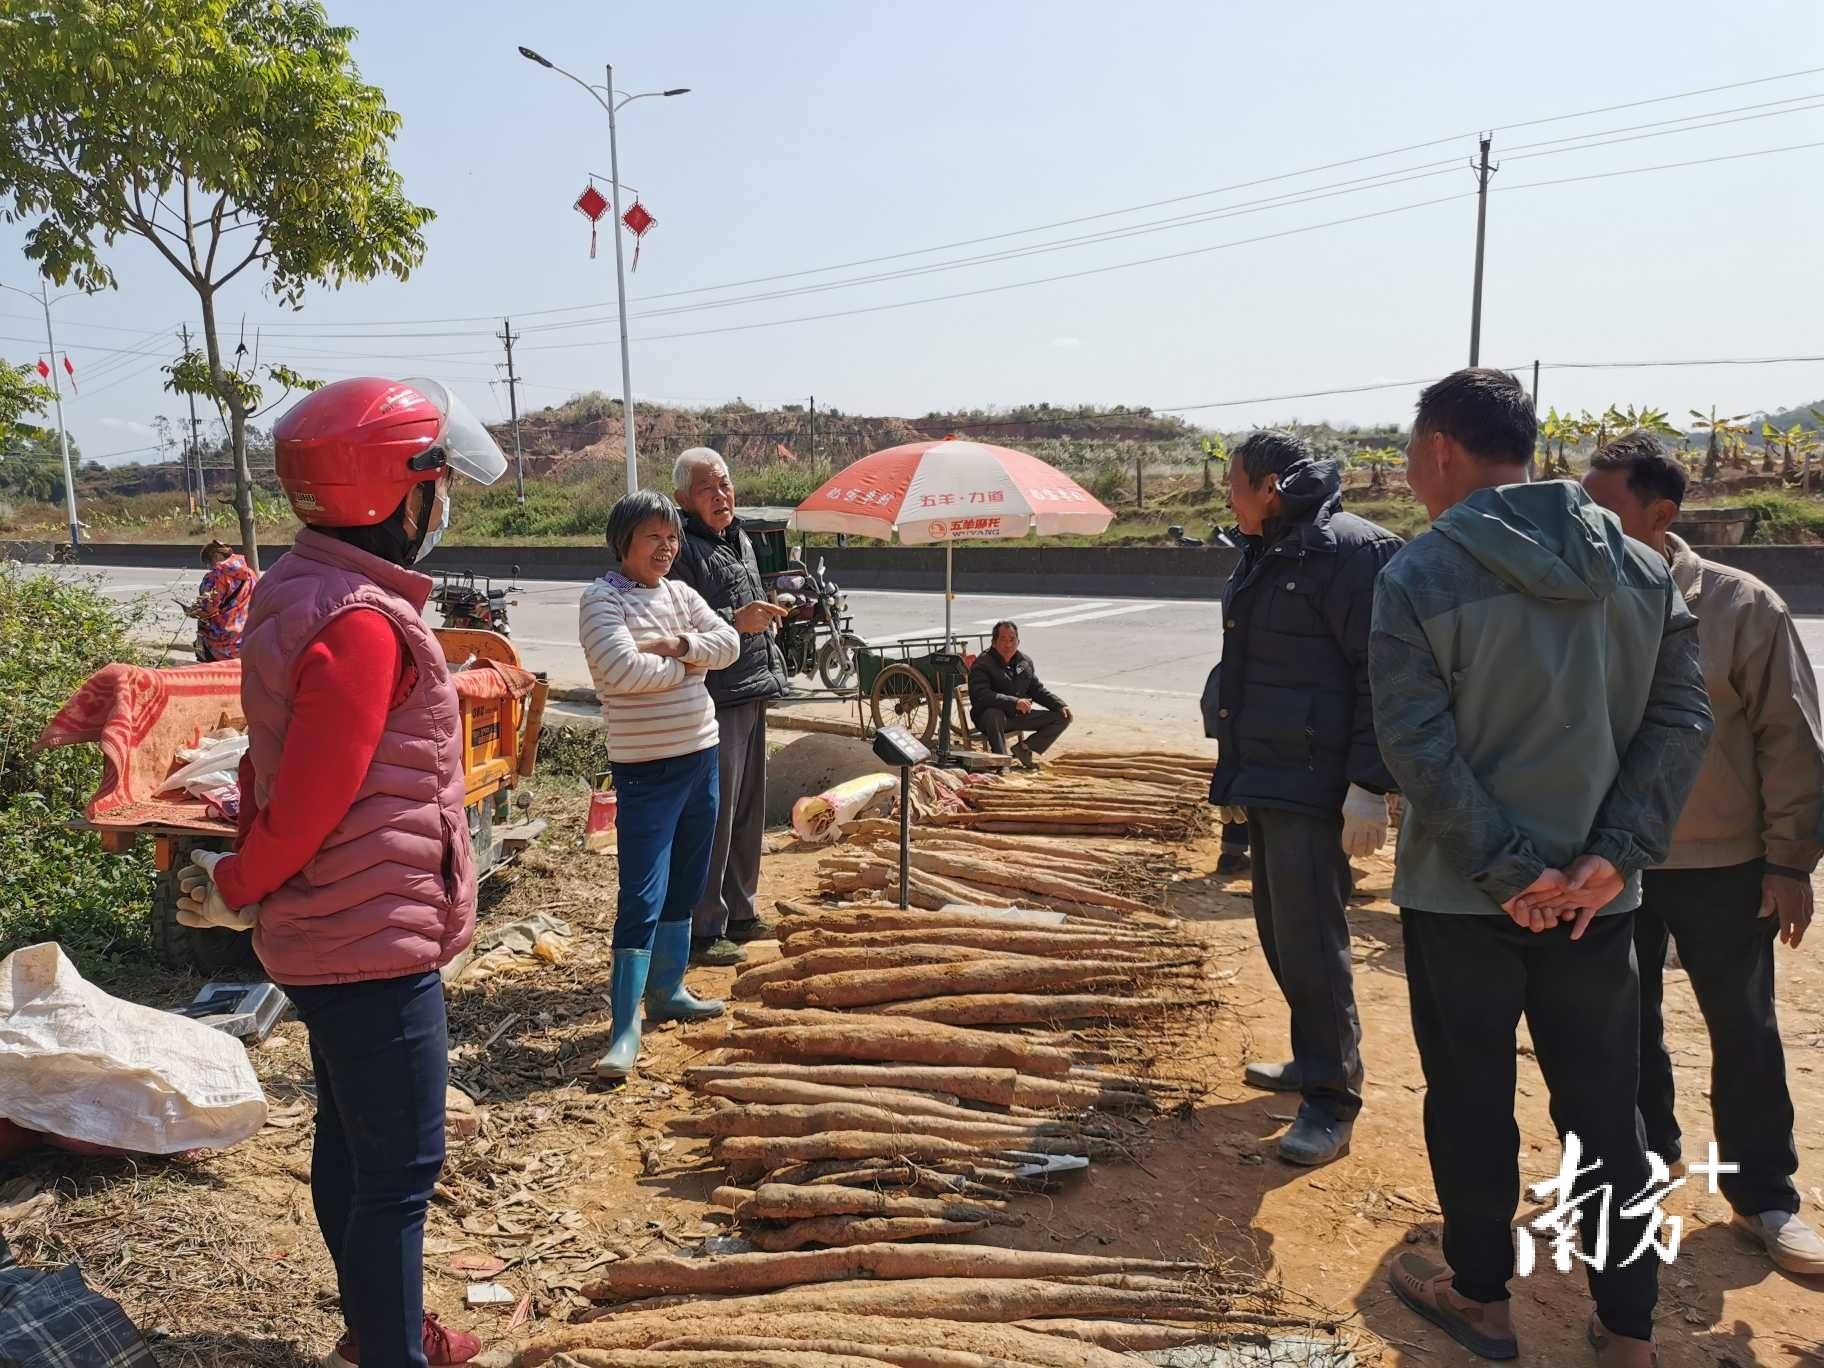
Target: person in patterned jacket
x=221 y=602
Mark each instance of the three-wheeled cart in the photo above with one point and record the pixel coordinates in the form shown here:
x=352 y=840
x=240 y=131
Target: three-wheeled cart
x=922 y=684
x=500 y=731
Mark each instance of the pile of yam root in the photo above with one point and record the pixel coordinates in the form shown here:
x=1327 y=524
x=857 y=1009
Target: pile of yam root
x=1086 y=793
x=994 y=842
x=912 y=1306
x=896 y=1077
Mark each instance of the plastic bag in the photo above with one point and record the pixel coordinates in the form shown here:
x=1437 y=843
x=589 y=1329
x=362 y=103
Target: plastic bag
x=77 y=1063
x=816 y=818
x=213 y=765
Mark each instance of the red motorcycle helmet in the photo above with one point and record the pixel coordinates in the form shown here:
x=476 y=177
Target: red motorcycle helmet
x=349 y=453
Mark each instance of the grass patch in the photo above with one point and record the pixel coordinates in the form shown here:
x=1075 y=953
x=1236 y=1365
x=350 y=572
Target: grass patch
x=1782 y=518
x=55 y=883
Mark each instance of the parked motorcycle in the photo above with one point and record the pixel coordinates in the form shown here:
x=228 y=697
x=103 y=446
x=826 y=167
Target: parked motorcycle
x=815 y=636
x=464 y=604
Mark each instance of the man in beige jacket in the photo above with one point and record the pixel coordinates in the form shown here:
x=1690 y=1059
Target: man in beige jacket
x=1739 y=874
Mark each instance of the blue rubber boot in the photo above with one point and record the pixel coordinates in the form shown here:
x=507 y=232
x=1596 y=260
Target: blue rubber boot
x=625 y=991
x=667 y=999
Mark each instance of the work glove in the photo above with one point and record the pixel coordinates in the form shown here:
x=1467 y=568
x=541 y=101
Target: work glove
x=1233 y=815
x=199 y=901
x=1364 y=822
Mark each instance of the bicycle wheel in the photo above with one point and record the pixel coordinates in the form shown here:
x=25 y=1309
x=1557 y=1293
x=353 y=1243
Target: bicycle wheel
x=903 y=697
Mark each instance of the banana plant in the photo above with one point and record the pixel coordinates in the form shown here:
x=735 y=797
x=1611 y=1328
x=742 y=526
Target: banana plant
x=1379 y=461
x=1725 y=438
x=1214 y=449
x=1556 y=430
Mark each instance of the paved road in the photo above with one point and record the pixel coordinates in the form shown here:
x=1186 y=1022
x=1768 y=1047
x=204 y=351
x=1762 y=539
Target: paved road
x=1137 y=660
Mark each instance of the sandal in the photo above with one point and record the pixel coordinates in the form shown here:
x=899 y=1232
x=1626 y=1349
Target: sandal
x=1603 y=1341
x=1426 y=1288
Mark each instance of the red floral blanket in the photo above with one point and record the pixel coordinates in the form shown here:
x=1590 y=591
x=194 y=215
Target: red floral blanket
x=141 y=718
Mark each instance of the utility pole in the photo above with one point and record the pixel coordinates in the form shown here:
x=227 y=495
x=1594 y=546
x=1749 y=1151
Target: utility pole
x=813 y=438
x=1529 y=467
x=1483 y=172
x=63 y=437
x=519 y=459
x=196 y=442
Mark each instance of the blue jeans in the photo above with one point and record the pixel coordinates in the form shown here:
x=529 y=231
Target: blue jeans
x=665 y=830
x=380 y=1052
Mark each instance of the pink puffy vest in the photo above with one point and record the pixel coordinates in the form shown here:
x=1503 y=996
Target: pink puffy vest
x=392 y=891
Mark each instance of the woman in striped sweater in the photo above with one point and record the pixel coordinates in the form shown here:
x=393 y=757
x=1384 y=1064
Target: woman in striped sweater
x=650 y=641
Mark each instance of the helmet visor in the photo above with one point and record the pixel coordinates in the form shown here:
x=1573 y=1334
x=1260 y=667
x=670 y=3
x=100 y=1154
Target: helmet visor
x=471 y=451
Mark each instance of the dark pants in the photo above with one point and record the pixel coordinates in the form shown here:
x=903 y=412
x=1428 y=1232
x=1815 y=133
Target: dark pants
x=664 y=830
x=1234 y=838
x=1727 y=949
x=1301 y=888
x=734 y=861
x=1046 y=726
x=1471 y=978
x=380 y=1053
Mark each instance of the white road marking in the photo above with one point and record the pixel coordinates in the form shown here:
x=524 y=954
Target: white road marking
x=1035 y=618
x=1105 y=613
x=1123 y=689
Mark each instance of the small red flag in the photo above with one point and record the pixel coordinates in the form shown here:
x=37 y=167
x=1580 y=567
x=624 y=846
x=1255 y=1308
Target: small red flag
x=44 y=371
x=71 y=372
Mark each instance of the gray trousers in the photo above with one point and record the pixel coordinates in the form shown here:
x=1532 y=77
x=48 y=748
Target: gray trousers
x=1301 y=888
x=734 y=861
x=1046 y=726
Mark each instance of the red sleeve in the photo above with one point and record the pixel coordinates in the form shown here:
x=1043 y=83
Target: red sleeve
x=347 y=681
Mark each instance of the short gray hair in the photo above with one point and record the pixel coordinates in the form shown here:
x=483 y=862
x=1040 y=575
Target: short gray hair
x=688 y=461
x=633 y=511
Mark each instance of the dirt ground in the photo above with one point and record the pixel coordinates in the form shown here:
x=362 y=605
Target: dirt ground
x=220 y=1259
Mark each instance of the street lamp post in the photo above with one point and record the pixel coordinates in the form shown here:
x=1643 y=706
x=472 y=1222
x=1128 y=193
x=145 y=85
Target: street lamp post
x=43 y=299
x=605 y=96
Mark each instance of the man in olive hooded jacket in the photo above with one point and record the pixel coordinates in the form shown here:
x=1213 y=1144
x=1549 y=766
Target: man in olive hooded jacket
x=1539 y=701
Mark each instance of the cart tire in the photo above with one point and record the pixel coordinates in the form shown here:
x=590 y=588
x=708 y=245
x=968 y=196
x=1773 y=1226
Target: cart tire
x=903 y=697
x=836 y=661
x=204 y=950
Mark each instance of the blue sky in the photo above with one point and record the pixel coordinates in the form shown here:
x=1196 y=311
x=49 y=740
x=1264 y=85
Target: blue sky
x=819 y=133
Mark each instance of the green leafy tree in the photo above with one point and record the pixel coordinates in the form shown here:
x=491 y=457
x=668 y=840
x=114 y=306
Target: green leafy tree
x=231 y=135
x=23 y=469
x=21 y=398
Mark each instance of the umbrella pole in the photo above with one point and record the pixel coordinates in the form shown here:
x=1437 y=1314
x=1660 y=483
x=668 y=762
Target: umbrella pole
x=947 y=564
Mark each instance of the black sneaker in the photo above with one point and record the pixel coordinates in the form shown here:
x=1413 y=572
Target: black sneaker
x=1027 y=760
x=716 y=952
x=757 y=929
x=1233 y=863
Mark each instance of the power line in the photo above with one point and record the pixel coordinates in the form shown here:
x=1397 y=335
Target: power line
x=1309 y=195
x=1663 y=166
x=1071 y=222
x=1180 y=255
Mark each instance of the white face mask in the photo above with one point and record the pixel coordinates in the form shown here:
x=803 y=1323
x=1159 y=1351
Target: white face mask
x=435 y=535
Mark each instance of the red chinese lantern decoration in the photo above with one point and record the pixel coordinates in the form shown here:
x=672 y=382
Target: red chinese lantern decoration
x=592 y=204
x=638 y=220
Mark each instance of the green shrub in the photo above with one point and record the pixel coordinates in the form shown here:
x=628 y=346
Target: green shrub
x=56 y=883
x=1783 y=518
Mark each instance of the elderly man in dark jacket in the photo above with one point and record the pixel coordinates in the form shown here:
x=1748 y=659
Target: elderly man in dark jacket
x=1291 y=712
x=1005 y=695
x=717 y=560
